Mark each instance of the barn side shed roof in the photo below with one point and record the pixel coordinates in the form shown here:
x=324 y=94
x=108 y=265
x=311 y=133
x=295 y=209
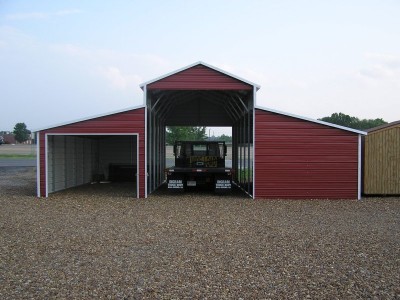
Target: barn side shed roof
x=89 y=118
x=312 y=120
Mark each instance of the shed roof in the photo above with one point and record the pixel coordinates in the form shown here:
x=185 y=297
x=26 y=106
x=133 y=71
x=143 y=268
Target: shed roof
x=89 y=118
x=384 y=126
x=311 y=120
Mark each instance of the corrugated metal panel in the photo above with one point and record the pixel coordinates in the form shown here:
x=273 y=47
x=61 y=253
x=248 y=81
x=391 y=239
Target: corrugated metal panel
x=69 y=162
x=300 y=159
x=382 y=161
x=126 y=122
x=199 y=78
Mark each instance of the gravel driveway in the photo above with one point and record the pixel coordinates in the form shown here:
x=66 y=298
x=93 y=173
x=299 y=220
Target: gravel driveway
x=79 y=244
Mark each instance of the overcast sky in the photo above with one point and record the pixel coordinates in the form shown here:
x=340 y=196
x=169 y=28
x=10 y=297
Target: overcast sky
x=65 y=60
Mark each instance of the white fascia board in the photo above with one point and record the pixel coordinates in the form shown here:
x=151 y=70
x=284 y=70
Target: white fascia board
x=204 y=64
x=90 y=118
x=38 y=181
x=310 y=120
x=359 y=168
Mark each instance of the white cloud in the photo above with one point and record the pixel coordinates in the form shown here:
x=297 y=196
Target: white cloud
x=382 y=67
x=149 y=65
x=72 y=50
x=41 y=15
x=386 y=59
x=25 y=16
x=67 y=12
x=119 y=80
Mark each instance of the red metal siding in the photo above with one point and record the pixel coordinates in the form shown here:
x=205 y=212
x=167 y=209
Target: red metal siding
x=300 y=159
x=132 y=121
x=199 y=78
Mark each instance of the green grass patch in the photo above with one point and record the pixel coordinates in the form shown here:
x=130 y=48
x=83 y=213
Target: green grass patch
x=17 y=156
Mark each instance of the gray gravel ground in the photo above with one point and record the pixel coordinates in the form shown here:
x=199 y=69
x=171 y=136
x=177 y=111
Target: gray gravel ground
x=79 y=244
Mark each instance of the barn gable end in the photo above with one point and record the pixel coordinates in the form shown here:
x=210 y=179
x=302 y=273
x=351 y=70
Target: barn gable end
x=198 y=77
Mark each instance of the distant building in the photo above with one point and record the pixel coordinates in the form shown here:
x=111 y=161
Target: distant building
x=9 y=138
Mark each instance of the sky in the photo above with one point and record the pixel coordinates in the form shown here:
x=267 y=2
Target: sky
x=65 y=60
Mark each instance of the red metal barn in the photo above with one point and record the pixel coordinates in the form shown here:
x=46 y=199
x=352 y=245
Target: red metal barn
x=275 y=154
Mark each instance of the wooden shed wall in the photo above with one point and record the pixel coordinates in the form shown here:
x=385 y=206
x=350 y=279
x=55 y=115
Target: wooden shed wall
x=295 y=158
x=382 y=162
x=128 y=122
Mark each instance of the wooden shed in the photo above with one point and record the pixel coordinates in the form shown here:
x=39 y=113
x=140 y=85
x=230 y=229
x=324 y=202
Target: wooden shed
x=382 y=160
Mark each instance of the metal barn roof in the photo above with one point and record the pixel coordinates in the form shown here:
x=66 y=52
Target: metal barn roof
x=89 y=118
x=199 y=63
x=199 y=95
x=311 y=120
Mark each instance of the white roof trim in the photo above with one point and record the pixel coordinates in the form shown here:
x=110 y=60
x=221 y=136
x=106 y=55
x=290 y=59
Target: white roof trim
x=310 y=120
x=195 y=64
x=90 y=118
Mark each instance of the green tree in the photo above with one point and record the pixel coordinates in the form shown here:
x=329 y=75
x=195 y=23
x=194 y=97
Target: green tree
x=353 y=122
x=198 y=133
x=224 y=138
x=21 y=132
x=185 y=133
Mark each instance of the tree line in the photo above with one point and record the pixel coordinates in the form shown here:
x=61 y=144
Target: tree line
x=353 y=122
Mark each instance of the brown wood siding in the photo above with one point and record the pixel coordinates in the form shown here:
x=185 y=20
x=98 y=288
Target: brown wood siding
x=199 y=78
x=130 y=122
x=295 y=158
x=382 y=162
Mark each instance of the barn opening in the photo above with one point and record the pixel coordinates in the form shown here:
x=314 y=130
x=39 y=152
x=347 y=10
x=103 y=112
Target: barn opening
x=200 y=96
x=75 y=160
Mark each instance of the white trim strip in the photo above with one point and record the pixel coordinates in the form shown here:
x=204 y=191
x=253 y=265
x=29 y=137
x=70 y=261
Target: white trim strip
x=137 y=166
x=359 y=168
x=99 y=134
x=254 y=144
x=38 y=163
x=310 y=120
x=90 y=118
x=46 y=164
x=196 y=64
x=145 y=141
